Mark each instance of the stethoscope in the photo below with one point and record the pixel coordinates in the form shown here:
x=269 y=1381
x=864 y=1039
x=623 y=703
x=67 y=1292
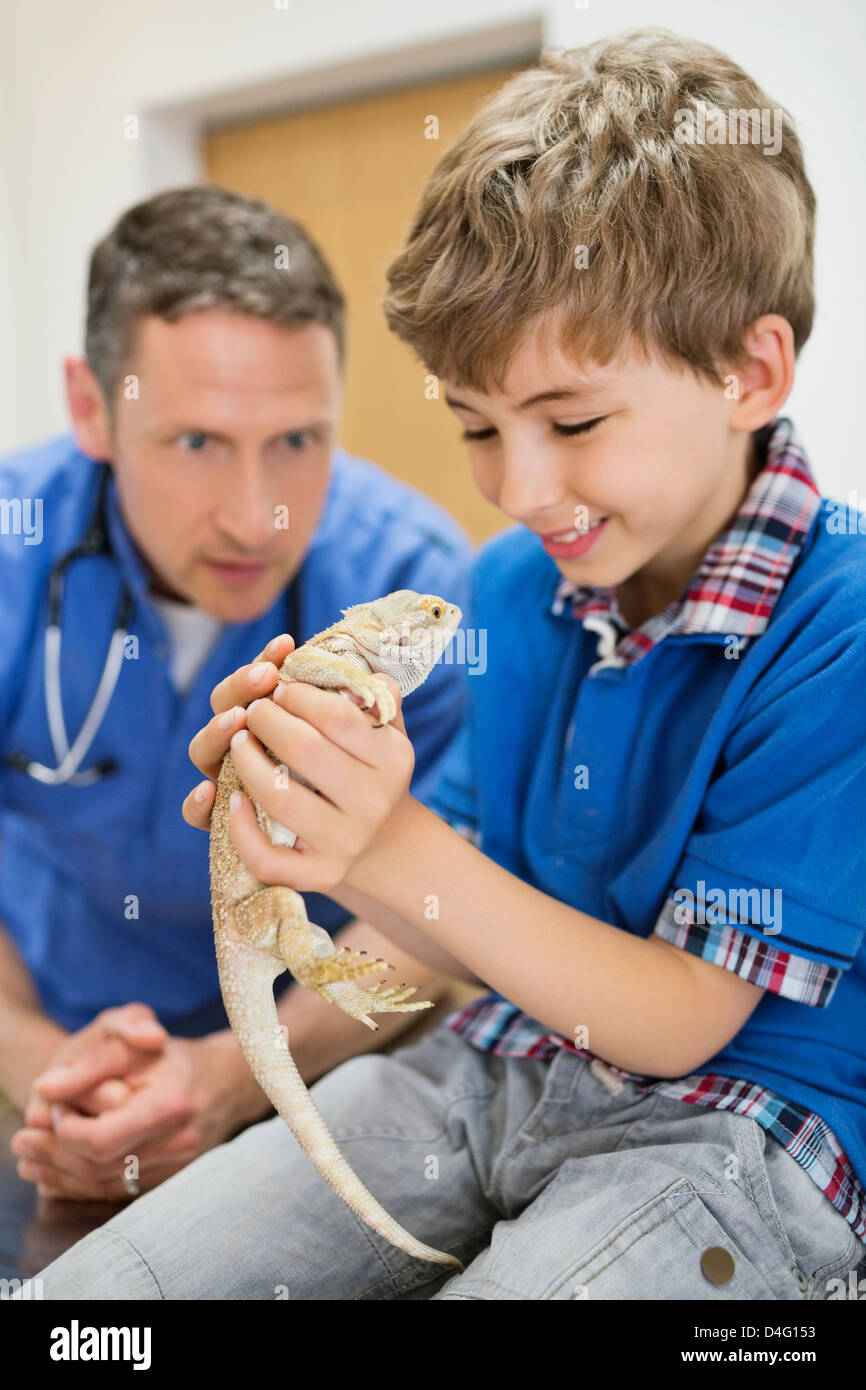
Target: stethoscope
x=70 y=756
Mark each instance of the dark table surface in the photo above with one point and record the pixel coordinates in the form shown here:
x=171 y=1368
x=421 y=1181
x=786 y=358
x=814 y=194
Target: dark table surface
x=34 y=1230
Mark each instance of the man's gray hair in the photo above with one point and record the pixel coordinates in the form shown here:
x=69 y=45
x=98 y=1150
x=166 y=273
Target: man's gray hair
x=198 y=248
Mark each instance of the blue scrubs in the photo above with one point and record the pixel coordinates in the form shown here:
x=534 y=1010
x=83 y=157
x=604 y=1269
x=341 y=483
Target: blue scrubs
x=104 y=888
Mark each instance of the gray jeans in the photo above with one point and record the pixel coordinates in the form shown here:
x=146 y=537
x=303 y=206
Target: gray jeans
x=545 y=1183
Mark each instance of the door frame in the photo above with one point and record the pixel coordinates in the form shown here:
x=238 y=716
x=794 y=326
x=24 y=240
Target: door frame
x=173 y=135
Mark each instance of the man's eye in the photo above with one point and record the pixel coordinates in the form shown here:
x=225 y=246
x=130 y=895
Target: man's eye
x=195 y=440
x=296 y=439
x=478 y=434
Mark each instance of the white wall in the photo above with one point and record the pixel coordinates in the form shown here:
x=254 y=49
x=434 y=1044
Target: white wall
x=70 y=74
x=11 y=415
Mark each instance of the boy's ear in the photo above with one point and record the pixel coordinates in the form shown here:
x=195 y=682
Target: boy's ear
x=762 y=378
x=88 y=412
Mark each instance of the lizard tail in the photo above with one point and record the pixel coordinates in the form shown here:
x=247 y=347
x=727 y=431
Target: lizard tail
x=249 y=1001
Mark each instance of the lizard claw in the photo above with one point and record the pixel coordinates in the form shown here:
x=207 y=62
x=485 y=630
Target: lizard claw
x=359 y=1001
x=377 y=693
x=389 y=1000
x=343 y=965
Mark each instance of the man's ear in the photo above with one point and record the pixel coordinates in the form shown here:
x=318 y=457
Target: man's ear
x=88 y=411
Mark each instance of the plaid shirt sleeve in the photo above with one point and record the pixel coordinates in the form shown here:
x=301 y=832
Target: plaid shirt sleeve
x=793 y=977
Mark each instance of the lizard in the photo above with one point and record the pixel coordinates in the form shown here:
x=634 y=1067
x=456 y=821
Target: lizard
x=260 y=931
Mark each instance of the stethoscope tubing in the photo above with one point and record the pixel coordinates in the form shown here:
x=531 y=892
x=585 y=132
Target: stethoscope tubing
x=70 y=757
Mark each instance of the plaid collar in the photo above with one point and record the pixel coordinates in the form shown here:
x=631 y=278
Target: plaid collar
x=735 y=587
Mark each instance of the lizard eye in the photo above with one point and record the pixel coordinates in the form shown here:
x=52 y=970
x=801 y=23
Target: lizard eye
x=437 y=612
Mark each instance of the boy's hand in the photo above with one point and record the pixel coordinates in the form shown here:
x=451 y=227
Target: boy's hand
x=229 y=700
x=360 y=772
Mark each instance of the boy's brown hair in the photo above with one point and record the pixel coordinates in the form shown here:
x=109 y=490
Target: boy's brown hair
x=687 y=242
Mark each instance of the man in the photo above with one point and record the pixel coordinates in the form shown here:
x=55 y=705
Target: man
x=218 y=513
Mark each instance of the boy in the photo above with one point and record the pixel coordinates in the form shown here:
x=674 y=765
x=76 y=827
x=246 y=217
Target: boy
x=658 y=870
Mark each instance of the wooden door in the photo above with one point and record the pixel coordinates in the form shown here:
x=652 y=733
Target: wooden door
x=351 y=174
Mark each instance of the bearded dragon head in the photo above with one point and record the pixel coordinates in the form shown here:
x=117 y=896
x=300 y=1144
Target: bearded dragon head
x=404 y=634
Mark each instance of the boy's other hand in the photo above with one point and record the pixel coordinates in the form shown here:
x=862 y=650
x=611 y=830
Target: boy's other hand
x=250 y=682
x=229 y=701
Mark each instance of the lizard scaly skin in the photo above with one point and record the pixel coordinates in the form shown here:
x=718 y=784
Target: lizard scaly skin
x=261 y=931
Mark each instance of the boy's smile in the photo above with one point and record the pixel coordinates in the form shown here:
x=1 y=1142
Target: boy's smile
x=577 y=540
x=635 y=466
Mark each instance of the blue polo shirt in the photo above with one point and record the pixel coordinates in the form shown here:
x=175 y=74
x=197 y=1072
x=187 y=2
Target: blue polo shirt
x=703 y=777
x=104 y=888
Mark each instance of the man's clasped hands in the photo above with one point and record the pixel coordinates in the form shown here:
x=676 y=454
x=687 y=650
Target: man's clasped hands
x=122 y=1095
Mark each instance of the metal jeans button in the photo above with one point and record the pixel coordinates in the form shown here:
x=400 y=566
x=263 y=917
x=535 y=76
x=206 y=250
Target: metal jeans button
x=717 y=1264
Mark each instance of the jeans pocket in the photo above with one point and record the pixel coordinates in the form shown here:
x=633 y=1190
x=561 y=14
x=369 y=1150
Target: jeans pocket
x=821 y=1243
x=681 y=1244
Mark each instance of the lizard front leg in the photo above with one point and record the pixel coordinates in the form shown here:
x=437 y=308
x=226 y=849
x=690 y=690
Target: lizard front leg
x=331 y=671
